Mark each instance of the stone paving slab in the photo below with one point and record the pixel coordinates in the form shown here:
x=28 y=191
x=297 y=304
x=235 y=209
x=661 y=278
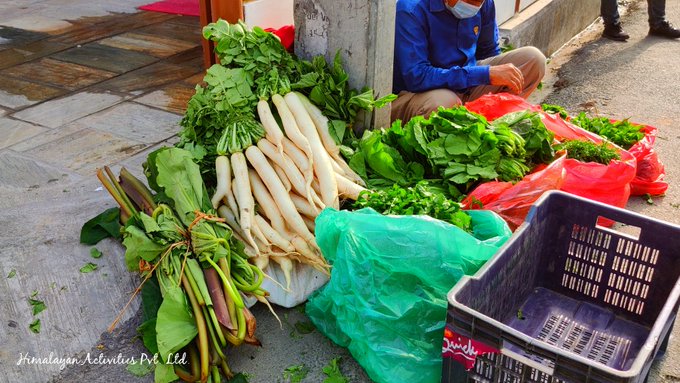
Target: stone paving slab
x=172 y=98
x=105 y=57
x=155 y=45
x=15 y=131
x=58 y=112
x=147 y=78
x=94 y=149
x=102 y=27
x=135 y=122
x=181 y=28
x=38 y=23
x=58 y=73
x=10 y=36
x=18 y=55
x=21 y=172
x=47 y=258
x=16 y=93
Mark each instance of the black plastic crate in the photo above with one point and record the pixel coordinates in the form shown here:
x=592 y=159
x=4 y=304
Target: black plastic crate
x=567 y=300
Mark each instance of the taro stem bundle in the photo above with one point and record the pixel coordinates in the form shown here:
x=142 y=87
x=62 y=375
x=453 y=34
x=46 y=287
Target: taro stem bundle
x=202 y=272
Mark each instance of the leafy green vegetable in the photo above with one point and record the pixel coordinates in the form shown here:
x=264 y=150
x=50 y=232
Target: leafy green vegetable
x=11 y=274
x=164 y=373
x=175 y=324
x=295 y=374
x=240 y=378
x=537 y=138
x=454 y=149
x=417 y=200
x=104 y=225
x=305 y=327
x=95 y=253
x=333 y=373
x=140 y=368
x=38 y=306
x=35 y=326
x=586 y=151
x=622 y=133
x=555 y=109
x=648 y=198
x=88 y=268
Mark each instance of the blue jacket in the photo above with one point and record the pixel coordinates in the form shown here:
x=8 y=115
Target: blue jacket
x=434 y=49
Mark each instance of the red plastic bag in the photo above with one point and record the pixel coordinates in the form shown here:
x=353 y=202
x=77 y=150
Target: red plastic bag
x=650 y=171
x=494 y=105
x=286 y=34
x=610 y=184
x=512 y=202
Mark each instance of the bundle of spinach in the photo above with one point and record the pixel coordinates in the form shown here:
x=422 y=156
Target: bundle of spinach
x=455 y=149
x=417 y=200
x=586 y=151
x=622 y=133
x=201 y=271
x=537 y=138
x=327 y=86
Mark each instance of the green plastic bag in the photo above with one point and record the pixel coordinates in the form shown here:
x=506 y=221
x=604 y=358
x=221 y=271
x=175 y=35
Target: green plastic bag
x=386 y=299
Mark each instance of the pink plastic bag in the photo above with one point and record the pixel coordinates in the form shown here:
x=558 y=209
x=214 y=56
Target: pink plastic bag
x=610 y=184
x=512 y=202
x=650 y=171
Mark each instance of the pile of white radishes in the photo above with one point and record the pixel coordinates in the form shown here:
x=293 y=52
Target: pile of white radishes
x=270 y=194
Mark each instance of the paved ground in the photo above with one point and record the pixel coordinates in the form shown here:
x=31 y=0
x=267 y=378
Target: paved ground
x=81 y=87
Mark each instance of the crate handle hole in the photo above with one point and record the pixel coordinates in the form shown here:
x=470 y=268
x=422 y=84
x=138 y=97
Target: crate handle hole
x=630 y=231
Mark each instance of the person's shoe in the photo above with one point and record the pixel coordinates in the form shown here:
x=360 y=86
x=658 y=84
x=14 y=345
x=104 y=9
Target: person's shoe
x=615 y=32
x=665 y=29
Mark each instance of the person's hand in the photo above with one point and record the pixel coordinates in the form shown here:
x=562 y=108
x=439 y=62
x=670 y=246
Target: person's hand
x=507 y=75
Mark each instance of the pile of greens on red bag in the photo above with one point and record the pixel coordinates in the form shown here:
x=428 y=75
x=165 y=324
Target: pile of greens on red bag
x=454 y=149
x=622 y=133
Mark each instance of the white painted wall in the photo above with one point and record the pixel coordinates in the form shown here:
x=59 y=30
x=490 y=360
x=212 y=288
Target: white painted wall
x=277 y=13
x=268 y=13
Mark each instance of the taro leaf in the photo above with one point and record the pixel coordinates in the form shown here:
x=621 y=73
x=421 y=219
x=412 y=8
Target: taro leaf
x=140 y=368
x=38 y=306
x=295 y=374
x=181 y=180
x=151 y=299
x=88 y=268
x=175 y=324
x=139 y=246
x=147 y=331
x=35 y=326
x=239 y=378
x=150 y=225
x=95 y=253
x=333 y=373
x=305 y=327
x=104 y=225
x=165 y=373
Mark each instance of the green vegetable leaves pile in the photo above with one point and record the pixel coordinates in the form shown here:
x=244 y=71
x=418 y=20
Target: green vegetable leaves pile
x=586 y=151
x=455 y=149
x=417 y=200
x=220 y=117
x=622 y=133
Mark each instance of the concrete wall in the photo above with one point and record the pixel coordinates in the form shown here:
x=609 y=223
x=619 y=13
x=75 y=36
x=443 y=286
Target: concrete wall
x=549 y=24
x=363 y=32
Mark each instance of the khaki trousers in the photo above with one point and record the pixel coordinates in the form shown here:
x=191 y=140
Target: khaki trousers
x=529 y=60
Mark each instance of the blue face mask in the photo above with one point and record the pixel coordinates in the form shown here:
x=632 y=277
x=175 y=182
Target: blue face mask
x=463 y=10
